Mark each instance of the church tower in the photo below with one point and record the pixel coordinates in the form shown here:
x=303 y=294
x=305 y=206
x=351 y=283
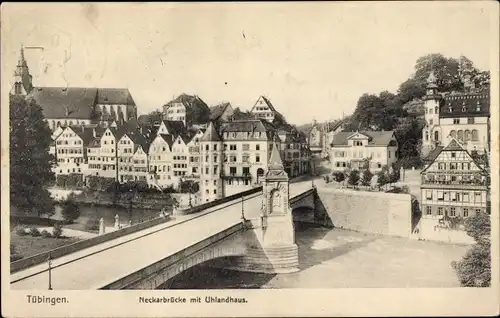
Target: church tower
x=23 y=83
x=211 y=165
x=431 y=134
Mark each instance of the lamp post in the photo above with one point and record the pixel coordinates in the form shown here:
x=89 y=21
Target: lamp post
x=49 y=261
x=242 y=209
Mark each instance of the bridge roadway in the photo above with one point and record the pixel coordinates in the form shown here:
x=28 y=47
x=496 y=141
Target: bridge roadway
x=99 y=265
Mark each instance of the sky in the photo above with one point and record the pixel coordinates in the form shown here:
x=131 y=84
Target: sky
x=312 y=60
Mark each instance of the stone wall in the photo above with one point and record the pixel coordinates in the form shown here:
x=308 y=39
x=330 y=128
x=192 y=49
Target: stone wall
x=428 y=229
x=373 y=212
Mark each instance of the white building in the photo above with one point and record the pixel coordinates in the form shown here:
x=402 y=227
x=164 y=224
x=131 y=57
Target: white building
x=464 y=116
x=358 y=150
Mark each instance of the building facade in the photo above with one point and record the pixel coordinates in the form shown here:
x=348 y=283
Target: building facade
x=264 y=109
x=364 y=149
x=461 y=116
x=454 y=184
x=211 y=183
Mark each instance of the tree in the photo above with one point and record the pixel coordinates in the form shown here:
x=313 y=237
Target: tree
x=30 y=161
x=353 y=177
x=382 y=178
x=153 y=117
x=474 y=270
x=240 y=115
x=338 y=176
x=70 y=210
x=367 y=178
x=395 y=174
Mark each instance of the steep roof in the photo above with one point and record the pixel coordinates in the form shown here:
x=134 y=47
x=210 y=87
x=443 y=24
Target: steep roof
x=114 y=96
x=268 y=102
x=211 y=134
x=465 y=105
x=375 y=138
x=87 y=135
x=453 y=145
x=249 y=125
x=169 y=139
x=65 y=102
x=77 y=102
x=433 y=154
x=217 y=111
x=175 y=126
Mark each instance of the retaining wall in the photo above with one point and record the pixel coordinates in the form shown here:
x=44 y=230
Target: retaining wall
x=373 y=212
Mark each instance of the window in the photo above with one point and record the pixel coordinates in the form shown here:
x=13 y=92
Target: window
x=246 y=171
x=466 y=212
x=257 y=147
x=431 y=122
x=436 y=109
x=452 y=211
x=428 y=194
x=426 y=135
x=460 y=135
x=232 y=170
x=215 y=147
x=440 y=211
x=470 y=120
x=436 y=136
x=440 y=195
x=257 y=158
x=465 y=197
x=474 y=135
x=428 y=210
x=453 y=154
x=232 y=147
x=215 y=191
x=467 y=135
x=215 y=170
x=246 y=147
x=430 y=112
x=207 y=147
x=477 y=197
x=478 y=211
x=456 y=121
x=232 y=158
x=215 y=158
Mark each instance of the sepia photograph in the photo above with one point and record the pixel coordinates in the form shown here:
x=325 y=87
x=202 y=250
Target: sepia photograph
x=212 y=153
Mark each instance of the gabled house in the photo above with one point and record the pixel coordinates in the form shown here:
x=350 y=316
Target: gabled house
x=160 y=161
x=190 y=109
x=454 y=183
x=264 y=109
x=363 y=149
x=70 y=150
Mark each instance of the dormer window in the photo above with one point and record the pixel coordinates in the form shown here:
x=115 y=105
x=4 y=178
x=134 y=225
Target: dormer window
x=464 y=108
x=478 y=107
x=450 y=109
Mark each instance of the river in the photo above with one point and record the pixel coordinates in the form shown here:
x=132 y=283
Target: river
x=333 y=258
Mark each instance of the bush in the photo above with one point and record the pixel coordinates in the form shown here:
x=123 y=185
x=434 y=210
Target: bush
x=21 y=231
x=34 y=231
x=13 y=253
x=57 y=231
x=474 y=270
x=46 y=234
x=70 y=210
x=92 y=225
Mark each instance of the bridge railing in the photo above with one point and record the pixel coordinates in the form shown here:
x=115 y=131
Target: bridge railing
x=72 y=248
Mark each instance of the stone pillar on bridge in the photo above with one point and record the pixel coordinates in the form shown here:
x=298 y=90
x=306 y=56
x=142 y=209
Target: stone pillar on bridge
x=277 y=251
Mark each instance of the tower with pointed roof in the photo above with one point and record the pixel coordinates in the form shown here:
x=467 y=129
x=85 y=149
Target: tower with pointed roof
x=276 y=233
x=211 y=165
x=23 y=82
x=431 y=134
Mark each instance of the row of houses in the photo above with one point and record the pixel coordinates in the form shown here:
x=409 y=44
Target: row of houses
x=168 y=152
